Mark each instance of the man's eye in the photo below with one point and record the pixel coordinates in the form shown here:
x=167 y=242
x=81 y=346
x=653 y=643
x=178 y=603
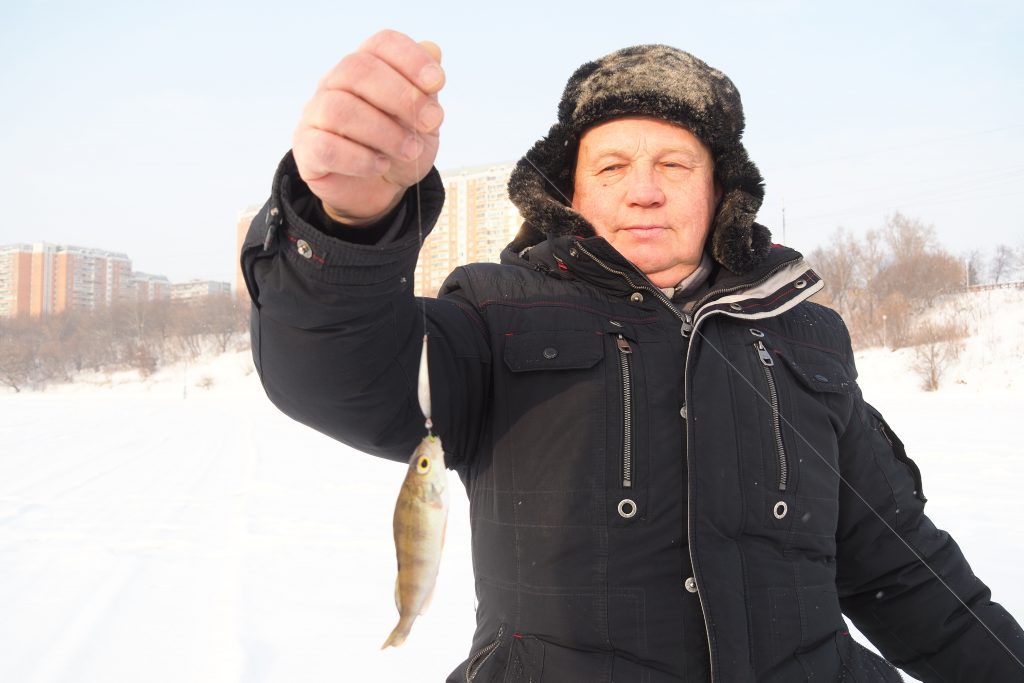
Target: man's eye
x=613 y=167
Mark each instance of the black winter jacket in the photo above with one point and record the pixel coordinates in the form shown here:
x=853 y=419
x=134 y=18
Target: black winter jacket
x=656 y=494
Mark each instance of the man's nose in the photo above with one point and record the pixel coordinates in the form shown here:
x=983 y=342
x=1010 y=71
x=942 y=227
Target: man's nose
x=644 y=189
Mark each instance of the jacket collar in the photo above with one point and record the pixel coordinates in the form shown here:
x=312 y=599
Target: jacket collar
x=779 y=281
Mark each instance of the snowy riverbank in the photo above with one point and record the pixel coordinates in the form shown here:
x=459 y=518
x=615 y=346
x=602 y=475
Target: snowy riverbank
x=150 y=534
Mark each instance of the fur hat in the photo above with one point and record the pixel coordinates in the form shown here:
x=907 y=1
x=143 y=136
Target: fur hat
x=661 y=82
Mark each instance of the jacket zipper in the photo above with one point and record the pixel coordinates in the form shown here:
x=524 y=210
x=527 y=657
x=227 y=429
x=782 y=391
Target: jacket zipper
x=690 y=323
x=766 y=364
x=625 y=351
x=477 y=661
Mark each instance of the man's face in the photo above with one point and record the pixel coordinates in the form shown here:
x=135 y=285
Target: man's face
x=648 y=187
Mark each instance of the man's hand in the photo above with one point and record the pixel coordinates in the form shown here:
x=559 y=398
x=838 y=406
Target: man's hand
x=371 y=130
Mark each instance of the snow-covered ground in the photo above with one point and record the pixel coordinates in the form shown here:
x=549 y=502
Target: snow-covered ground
x=158 y=532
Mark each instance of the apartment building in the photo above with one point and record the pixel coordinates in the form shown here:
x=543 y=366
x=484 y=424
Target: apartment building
x=42 y=279
x=149 y=287
x=197 y=289
x=475 y=224
x=15 y=279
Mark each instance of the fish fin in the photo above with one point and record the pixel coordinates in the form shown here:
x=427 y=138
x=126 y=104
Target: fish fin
x=398 y=594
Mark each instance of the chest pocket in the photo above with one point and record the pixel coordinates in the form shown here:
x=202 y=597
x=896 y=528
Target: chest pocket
x=552 y=403
x=814 y=390
x=559 y=350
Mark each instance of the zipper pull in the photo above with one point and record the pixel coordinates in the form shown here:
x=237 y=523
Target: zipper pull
x=687 y=326
x=623 y=345
x=766 y=358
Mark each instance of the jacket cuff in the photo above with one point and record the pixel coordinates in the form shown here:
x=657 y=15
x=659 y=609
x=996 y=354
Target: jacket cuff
x=332 y=253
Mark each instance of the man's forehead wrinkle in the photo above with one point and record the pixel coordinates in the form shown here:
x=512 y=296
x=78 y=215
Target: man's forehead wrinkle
x=600 y=150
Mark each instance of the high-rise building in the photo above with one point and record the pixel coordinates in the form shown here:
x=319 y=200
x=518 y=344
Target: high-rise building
x=41 y=279
x=241 y=228
x=475 y=224
x=197 y=289
x=15 y=279
x=150 y=287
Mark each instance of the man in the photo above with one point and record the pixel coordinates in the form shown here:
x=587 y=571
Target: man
x=672 y=474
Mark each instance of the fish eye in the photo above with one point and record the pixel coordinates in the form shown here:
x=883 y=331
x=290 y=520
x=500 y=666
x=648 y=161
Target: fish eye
x=423 y=465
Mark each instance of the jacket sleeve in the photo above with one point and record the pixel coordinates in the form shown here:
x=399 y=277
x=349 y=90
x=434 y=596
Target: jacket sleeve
x=337 y=333
x=900 y=579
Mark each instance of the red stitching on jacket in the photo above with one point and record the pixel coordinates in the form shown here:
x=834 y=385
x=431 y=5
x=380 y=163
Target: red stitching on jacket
x=318 y=259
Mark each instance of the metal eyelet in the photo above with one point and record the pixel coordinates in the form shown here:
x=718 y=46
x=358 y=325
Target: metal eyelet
x=736 y=307
x=780 y=509
x=627 y=508
x=800 y=284
x=616 y=323
x=756 y=333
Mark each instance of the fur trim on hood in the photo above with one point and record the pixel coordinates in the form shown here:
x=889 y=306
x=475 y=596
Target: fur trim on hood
x=665 y=83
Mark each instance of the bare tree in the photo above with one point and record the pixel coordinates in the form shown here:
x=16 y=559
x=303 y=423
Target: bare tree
x=975 y=267
x=16 y=362
x=1004 y=262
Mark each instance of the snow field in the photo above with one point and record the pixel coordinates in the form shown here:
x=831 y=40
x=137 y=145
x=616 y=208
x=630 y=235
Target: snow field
x=150 y=537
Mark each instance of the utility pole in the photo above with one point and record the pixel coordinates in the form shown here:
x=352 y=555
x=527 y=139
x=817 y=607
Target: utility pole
x=784 y=220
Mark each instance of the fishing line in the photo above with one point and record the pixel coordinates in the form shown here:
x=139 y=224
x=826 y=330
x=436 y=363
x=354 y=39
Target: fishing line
x=826 y=462
x=423 y=376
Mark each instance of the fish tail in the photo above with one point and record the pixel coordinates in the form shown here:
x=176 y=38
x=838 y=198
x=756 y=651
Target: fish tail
x=399 y=634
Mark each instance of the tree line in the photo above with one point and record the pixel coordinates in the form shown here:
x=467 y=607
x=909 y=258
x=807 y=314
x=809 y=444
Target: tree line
x=142 y=335
x=885 y=283
x=882 y=283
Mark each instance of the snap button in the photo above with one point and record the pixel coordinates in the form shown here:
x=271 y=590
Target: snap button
x=736 y=307
x=550 y=352
x=821 y=378
x=573 y=252
x=305 y=251
x=682 y=411
x=780 y=509
x=690 y=585
x=800 y=284
x=756 y=333
x=636 y=297
x=627 y=508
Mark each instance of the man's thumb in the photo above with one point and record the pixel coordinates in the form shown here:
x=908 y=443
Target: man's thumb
x=431 y=47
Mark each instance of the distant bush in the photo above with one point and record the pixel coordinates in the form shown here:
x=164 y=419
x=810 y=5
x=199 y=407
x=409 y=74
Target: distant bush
x=935 y=347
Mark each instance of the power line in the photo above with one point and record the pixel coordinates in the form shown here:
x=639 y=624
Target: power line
x=910 y=145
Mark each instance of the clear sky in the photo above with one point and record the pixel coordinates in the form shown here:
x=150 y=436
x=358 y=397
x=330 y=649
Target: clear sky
x=146 y=127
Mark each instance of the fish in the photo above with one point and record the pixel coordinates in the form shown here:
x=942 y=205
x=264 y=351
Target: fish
x=421 y=517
